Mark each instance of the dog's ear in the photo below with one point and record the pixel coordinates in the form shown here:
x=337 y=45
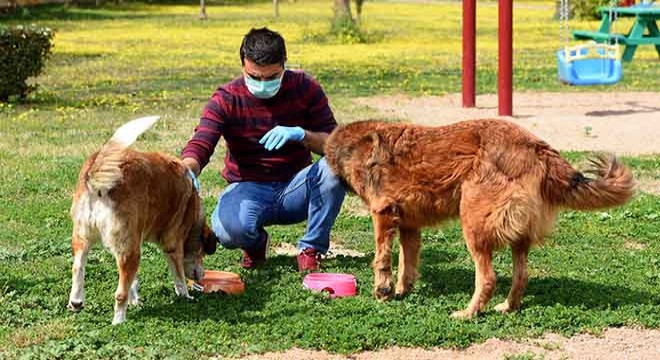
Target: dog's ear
x=209 y=241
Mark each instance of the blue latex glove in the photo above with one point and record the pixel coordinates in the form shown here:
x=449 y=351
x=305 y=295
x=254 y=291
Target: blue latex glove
x=280 y=135
x=195 y=181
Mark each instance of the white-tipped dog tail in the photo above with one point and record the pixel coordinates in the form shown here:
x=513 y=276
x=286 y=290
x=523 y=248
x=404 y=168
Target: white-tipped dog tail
x=105 y=173
x=127 y=134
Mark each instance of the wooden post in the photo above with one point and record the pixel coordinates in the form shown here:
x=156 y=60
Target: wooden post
x=505 y=58
x=469 y=51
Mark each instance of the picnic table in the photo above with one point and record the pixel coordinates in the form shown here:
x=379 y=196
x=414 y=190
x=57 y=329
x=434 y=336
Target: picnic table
x=645 y=18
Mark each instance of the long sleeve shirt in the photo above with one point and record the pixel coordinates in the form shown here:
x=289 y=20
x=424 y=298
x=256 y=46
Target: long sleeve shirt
x=242 y=119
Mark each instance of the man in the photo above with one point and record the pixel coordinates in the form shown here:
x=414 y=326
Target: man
x=271 y=119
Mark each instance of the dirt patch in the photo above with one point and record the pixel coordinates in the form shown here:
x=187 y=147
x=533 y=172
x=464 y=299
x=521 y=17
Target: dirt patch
x=335 y=250
x=631 y=244
x=613 y=343
x=649 y=186
x=624 y=123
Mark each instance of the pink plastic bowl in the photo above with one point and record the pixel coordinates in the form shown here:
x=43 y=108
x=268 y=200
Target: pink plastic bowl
x=337 y=285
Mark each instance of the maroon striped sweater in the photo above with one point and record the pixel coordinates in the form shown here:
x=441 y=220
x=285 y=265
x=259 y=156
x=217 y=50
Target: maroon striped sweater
x=242 y=119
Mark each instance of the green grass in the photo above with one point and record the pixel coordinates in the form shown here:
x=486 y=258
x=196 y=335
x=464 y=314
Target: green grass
x=110 y=65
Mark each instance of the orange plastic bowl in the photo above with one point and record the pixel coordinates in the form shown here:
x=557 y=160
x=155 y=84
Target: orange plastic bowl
x=223 y=281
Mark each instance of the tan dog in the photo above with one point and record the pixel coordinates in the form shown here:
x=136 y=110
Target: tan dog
x=505 y=184
x=125 y=197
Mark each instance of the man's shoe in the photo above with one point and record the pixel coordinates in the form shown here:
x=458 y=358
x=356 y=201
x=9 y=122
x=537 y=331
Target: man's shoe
x=309 y=260
x=254 y=258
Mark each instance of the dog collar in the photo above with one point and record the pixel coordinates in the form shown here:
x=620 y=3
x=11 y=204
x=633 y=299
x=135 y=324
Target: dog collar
x=195 y=181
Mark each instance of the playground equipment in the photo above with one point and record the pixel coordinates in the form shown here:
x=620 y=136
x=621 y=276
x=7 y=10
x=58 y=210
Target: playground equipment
x=590 y=63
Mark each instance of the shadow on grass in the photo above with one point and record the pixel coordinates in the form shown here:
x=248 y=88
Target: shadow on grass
x=14 y=282
x=73 y=59
x=572 y=292
x=88 y=11
x=61 y=12
x=188 y=84
x=272 y=283
x=442 y=278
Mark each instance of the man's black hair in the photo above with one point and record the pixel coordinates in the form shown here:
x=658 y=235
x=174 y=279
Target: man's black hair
x=264 y=47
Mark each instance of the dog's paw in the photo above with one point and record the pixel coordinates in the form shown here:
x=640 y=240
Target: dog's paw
x=383 y=287
x=401 y=295
x=75 y=306
x=398 y=296
x=403 y=290
x=182 y=291
x=384 y=293
x=505 y=308
x=118 y=320
x=185 y=295
x=462 y=315
x=134 y=298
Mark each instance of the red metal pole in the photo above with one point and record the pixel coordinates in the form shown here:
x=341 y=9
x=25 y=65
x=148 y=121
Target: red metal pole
x=505 y=56
x=469 y=50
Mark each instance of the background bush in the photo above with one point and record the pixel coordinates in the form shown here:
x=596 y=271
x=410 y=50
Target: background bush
x=23 y=52
x=586 y=9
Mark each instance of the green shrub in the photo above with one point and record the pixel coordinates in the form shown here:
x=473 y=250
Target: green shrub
x=23 y=52
x=348 y=31
x=586 y=9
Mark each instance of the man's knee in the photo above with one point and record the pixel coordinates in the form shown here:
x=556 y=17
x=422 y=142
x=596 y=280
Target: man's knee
x=233 y=232
x=324 y=167
x=326 y=175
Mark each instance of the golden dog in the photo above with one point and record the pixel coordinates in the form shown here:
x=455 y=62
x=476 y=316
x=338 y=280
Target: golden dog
x=504 y=183
x=125 y=197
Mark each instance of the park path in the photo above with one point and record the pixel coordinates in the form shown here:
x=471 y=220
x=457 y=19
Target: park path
x=612 y=344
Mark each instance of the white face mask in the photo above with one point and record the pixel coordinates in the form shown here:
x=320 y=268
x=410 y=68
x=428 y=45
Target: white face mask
x=263 y=89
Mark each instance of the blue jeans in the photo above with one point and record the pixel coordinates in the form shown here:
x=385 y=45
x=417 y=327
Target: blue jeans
x=244 y=208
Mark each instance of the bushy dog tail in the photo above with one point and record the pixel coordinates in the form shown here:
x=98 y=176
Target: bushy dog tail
x=105 y=172
x=613 y=184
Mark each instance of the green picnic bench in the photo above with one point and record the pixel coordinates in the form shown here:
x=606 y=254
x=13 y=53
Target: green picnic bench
x=645 y=18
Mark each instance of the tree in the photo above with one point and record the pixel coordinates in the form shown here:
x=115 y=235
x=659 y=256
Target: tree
x=12 y=6
x=358 y=10
x=276 y=8
x=202 y=10
x=343 y=14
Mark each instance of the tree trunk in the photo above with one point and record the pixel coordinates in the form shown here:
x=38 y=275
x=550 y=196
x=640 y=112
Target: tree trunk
x=358 y=10
x=276 y=8
x=202 y=10
x=342 y=13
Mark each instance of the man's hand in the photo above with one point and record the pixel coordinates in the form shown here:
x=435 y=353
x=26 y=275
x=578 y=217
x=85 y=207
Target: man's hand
x=280 y=135
x=193 y=171
x=192 y=164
